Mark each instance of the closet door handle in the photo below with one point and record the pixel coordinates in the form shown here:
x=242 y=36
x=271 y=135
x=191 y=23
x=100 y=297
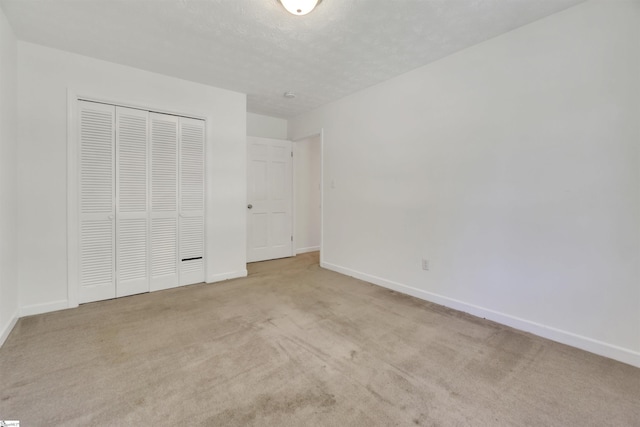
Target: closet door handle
x=110 y=217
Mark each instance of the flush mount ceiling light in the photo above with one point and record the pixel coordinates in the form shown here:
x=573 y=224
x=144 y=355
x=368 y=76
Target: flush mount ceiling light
x=289 y=94
x=300 y=7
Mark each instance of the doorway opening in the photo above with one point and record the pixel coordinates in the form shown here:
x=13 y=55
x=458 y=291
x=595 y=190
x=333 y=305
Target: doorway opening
x=307 y=194
x=284 y=197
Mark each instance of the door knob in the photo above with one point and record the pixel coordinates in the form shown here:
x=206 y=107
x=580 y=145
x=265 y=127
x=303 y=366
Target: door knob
x=110 y=216
x=249 y=206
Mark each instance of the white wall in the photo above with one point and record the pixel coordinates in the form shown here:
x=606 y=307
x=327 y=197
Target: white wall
x=307 y=194
x=513 y=167
x=44 y=76
x=8 y=171
x=266 y=126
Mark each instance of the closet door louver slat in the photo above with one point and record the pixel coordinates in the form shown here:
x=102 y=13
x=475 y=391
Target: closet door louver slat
x=192 y=244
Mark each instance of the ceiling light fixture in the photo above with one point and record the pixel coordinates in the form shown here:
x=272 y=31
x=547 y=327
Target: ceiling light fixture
x=300 y=7
x=289 y=94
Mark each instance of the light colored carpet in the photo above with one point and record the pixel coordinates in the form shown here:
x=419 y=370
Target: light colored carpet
x=296 y=345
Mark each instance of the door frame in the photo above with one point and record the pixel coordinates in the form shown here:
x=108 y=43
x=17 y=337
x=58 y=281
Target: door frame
x=320 y=135
x=73 y=175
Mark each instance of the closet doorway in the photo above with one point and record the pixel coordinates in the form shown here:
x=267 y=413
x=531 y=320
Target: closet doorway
x=137 y=212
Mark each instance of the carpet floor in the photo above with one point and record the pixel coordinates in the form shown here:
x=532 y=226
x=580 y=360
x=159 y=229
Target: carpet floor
x=296 y=345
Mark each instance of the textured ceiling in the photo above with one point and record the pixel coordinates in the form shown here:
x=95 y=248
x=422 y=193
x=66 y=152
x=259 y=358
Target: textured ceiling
x=255 y=47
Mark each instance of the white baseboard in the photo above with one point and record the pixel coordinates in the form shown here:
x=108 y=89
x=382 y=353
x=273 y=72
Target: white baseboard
x=226 y=276
x=585 y=343
x=6 y=329
x=309 y=249
x=30 y=310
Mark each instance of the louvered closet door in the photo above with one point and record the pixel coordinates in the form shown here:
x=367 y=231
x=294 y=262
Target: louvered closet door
x=96 y=201
x=132 y=240
x=191 y=227
x=164 y=201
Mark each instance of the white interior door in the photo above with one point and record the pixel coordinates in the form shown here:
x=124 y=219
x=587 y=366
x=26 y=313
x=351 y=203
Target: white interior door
x=191 y=226
x=132 y=228
x=269 y=198
x=164 y=201
x=96 y=201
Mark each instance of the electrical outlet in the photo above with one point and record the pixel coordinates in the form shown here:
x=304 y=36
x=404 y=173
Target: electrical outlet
x=425 y=264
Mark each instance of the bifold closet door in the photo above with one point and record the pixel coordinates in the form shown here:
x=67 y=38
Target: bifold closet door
x=113 y=242
x=141 y=201
x=96 y=201
x=177 y=201
x=191 y=241
x=132 y=234
x=164 y=201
